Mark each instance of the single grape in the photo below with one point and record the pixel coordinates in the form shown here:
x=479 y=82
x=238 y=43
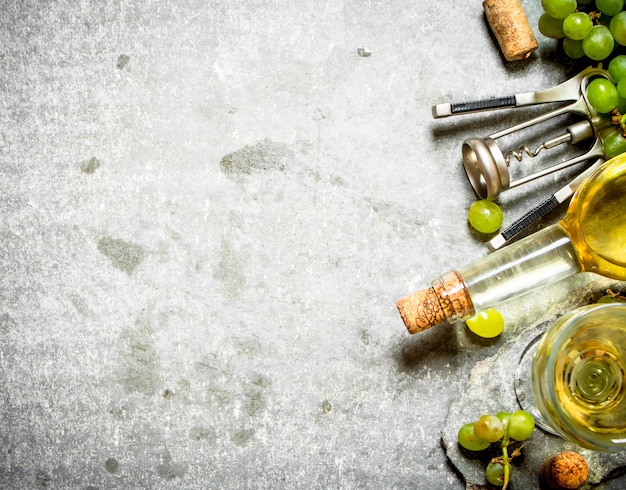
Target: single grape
x=577 y=26
x=551 y=27
x=489 y=428
x=602 y=94
x=559 y=9
x=469 y=440
x=573 y=49
x=521 y=425
x=495 y=474
x=610 y=7
x=599 y=44
x=621 y=105
x=488 y=323
x=621 y=87
x=617 y=26
x=485 y=216
x=504 y=418
x=617 y=67
x=614 y=144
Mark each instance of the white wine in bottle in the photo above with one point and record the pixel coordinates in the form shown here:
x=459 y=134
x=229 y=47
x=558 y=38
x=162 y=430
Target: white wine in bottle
x=590 y=238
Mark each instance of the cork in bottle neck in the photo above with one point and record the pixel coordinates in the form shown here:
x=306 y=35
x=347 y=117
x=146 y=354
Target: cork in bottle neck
x=447 y=299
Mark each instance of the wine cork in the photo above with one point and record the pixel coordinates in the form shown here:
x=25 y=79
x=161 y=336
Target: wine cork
x=448 y=298
x=421 y=310
x=565 y=471
x=510 y=26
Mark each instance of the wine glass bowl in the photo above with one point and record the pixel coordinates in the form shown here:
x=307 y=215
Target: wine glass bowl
x=578 y=377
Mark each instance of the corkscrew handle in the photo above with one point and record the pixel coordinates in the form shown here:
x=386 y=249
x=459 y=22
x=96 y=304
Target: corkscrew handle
x=524 y=222
x=543 y=208
x=569 y=91
x=449 y=109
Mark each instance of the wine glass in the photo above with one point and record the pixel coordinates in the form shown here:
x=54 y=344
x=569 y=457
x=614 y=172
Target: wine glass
x=577 y=373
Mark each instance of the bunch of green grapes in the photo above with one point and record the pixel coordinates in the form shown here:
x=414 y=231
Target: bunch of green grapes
x=587 y=27
x=608 y=96
x=504 y=428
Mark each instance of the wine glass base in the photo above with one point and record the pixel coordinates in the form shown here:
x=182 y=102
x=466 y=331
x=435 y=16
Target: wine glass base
x=523 y=384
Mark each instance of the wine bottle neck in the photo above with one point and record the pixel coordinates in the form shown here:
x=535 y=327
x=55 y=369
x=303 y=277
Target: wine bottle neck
x=542 y=258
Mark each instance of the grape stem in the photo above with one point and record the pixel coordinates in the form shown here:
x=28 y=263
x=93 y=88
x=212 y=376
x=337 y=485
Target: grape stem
x=619 y=121
x=595 y=16
x=505 y=460
x=613 y=294
x=507 y=463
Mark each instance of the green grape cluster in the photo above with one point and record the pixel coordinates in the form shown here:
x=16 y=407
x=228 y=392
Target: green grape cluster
x=502 y=429
x=591 y=28
x=608 y=96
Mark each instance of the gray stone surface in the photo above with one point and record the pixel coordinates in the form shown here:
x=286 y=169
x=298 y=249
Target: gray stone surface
x=208 y=210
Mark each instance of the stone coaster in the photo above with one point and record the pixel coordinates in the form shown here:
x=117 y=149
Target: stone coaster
x=490 y=389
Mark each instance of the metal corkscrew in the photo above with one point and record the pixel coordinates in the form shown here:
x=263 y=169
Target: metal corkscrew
x=487 y=164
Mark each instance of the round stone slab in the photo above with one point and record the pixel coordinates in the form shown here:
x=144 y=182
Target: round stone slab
x=491 y=389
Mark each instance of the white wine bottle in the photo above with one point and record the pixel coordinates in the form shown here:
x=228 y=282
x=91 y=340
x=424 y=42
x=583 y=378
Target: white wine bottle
x=590 y=238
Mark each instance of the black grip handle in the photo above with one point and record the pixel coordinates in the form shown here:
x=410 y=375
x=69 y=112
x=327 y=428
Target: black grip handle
x=482 y=105
x=530 y=217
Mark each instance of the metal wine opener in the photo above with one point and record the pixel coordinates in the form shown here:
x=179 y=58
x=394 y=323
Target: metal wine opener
x=487 y=165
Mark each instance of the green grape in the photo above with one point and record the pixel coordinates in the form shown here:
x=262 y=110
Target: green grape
x=621 y=105
x=599 y=44
x=614 y=144
x=621 y=87
x=495 y=474
x=577 y=26
x=617 y=26
x=617 y=67
x=469 y=440
x=573 y=49
x=551 y=27
x=485 y=216
x=602 y=95
x=610 y=7
x=559 y=9
x=488 y=323
x=489 y=428
x=607 y=298
x=612 y=297
x=521 y=425
x=504 y=418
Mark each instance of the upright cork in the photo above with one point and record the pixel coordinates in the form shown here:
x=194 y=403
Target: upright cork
x=446 y=299
x=510 y=26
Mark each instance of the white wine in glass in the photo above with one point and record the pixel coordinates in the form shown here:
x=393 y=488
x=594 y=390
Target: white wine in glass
x=578 y=377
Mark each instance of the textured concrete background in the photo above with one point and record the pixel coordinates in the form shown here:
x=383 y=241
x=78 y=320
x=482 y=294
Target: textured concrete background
x=209 y=209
